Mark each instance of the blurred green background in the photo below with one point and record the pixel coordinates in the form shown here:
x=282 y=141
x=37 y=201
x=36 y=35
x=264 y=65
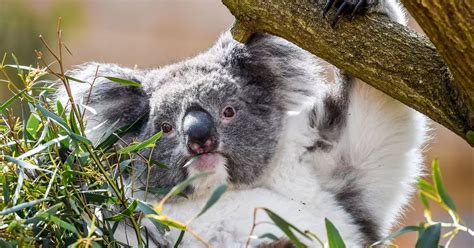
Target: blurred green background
x=153 y=33
x=21 y=23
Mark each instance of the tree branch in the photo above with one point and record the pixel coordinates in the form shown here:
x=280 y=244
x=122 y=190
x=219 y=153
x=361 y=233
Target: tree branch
x=392 y=58
x=450 y=26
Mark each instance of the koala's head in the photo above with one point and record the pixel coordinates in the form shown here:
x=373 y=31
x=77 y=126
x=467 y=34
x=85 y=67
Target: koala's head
x=222 y=111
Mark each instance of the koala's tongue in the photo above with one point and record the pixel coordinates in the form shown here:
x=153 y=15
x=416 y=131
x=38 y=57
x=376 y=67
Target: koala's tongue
x=206 y=162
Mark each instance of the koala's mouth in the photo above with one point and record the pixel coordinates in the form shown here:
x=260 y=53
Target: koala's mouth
x=204 y=162
x=214 y=162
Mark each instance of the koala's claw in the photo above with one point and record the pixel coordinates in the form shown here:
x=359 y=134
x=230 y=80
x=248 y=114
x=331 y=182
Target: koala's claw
x=344 y=7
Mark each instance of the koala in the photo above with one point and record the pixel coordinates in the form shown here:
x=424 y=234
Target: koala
x=263 y=119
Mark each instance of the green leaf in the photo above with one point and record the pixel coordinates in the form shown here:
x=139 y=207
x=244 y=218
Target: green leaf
x=41 y=147
x=10 y=101
x=17 y=65
x=268 y=236
x=218 y=192
x=121 y=167
x=6 y=190
x=25 y=134
x=147 y=143
x=470 y=137
x=147 y=209
x=5 y=244
x=52 y=210
x=80 y=138
x=23 y=164
x=167 y=221
x=401 y=231
x=111 y=137
x=97 y=198
x=58 y=120
x=286 y=227
x=181 y=186
x=180 y=238
x=21 y=206
x=32 y=125
x=125 y=213
x=157 y=191
x=124 y=81
x=59 y=108
x=61 y=223
x=76 y=80
x=54 y=118
x=429 y=238
x=178 y=189
x=440 y=187
x=334 y=238
x=424 y=201
x=425 y=186
x=22 y=67
x=73 y=122
x=159 y=164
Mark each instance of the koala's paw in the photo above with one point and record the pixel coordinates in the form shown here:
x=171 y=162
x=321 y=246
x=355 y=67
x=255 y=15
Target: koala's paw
x=348 y=8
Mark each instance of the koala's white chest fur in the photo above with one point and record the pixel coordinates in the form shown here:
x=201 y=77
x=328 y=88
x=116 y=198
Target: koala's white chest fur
x=229 y=222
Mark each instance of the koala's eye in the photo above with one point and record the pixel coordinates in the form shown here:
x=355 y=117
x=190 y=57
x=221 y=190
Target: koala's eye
x=228 y=112
x=166 y=127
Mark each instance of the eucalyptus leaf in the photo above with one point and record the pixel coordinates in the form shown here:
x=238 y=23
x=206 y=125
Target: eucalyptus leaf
x=165 y=220
x=61 y=223
x=429 y=238
x=268 y=236
x=125 y=213
x=147 y=209
x=76 y=80
x=179 y=240
x=17 y=65
x=218 y=192
x=124 y=81
x=54 y=118
x=438 y=182
x=21 y=206
x=147 y=143
x=22 y=67
x=287 y=228
x=401 y=231
x=11 y=100
x=334 y=237
x=24 y=164
x=111 y=136
x=32 y=125
x=41 y=147
x=181 y=186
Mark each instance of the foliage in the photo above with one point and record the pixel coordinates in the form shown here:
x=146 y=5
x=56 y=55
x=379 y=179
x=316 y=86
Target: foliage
x=430 y=232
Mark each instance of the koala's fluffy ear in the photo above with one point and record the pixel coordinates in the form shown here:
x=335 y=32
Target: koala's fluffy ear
x=109 y=100
x=292 y=72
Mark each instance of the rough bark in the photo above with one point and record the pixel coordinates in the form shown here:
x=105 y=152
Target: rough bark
x=394 y=59
x=450 y=26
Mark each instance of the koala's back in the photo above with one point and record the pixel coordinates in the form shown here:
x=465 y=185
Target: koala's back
x=372 y=165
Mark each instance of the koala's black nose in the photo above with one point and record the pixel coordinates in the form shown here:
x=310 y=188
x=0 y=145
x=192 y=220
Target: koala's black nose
x=199 y=130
